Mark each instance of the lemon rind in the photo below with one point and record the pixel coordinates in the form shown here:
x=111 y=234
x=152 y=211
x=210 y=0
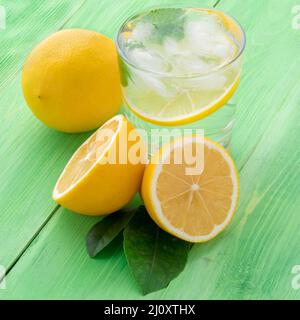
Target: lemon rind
x=164 y=222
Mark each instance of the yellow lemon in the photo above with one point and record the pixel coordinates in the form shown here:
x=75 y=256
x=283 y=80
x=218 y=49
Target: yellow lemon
x=100 y=178
x=71 y=80
x=195 y=207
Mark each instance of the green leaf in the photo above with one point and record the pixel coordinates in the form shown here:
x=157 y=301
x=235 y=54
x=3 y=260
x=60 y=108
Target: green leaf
x=154 y=256
x=134 y=44
x=105 y=231
x=167 y=22
x=165 y=15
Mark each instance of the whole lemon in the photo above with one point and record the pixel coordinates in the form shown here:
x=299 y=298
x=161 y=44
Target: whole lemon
x=71 y=80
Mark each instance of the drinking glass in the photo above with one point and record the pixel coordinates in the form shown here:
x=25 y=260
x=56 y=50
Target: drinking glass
x=199 y=94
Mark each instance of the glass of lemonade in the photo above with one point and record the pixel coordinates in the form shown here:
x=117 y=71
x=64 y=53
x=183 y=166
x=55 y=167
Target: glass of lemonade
x=179 y=69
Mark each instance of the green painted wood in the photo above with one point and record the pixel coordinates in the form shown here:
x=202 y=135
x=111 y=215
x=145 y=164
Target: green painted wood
x=26 y=146
x=106 y=16
x=31 y=155
x=27 y=23
x=255 y=256
x=271 y=69
x=31 y=158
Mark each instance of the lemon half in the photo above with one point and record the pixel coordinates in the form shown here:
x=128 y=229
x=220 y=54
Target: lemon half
x=93 y=184
x=197 y=207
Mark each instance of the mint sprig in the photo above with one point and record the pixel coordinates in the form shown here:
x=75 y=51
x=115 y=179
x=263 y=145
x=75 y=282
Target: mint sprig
x=167 y=22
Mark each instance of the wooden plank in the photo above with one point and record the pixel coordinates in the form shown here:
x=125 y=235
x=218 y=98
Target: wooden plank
x=31 y=158
x=270 y=70
x=255 y=256
x=27 y=23
x=26 y=145
x=106 y=17
x=31 y=155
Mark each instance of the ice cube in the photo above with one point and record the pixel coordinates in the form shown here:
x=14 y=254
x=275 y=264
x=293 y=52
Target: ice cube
x=148 y=60
x=209 y=39
x=190 y=63
x=218 y=48
x=172 y=47
x=145 y=80
x=206 y=26
x=224 y=47
x=142 y=31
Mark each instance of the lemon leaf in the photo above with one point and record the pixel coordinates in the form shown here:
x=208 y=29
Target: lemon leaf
x=154 y=256
x=105 y=231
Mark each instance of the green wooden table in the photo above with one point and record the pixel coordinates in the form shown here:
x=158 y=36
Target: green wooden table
x=42 y=245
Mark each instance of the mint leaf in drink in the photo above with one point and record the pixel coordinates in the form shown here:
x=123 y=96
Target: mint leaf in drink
x=165 y=15
x=134 y=44
x=168 y=22
x=105 y=231
x=154 y=256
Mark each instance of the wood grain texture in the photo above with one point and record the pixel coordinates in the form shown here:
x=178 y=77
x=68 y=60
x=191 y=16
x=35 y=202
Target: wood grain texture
x=31 y=158
x=271 y=69
x=27 y=23
x=252 y=259
x=29 y=152
x=31 y=155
